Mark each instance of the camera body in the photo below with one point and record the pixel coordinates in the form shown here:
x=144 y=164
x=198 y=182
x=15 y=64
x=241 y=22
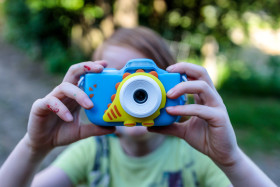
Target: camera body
x=134 y=95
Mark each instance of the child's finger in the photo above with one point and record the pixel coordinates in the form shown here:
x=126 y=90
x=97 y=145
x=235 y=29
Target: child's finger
x=176 y=129
x=53 y=104
x=193 y=71
x=87 y=130
x=72 y=132
x=206 y=94
x=73 y=92
x=201 y=111
x=197 y=99
x=75 y=71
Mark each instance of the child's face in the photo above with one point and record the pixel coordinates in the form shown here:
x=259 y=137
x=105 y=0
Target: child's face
x=117 y=57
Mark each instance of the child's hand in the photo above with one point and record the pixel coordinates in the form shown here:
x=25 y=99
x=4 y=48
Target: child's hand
x=54 y=119
x=209 y=129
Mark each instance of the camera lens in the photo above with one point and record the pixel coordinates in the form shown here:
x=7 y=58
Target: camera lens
x=140 y=96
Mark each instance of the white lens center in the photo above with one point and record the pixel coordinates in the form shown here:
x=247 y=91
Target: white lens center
x=145 y=85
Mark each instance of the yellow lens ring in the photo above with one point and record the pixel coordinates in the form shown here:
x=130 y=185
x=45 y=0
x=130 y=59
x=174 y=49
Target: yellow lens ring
x=124 y=116
x=140 y=96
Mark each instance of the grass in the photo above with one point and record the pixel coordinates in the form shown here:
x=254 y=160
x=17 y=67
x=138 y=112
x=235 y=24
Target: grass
x=256 y=121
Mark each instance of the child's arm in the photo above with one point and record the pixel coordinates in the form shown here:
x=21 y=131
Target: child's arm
x=209 y=130
x=53 y=121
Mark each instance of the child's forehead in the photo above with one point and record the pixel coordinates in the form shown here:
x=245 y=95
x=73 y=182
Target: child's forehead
x=117 y=56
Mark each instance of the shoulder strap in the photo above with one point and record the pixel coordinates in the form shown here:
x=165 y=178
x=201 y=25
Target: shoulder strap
x=100 y=171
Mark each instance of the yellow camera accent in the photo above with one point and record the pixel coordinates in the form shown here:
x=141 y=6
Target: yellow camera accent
x=115 y=111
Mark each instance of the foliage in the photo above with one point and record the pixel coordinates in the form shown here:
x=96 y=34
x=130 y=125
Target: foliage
x=192 y=19
x=252 y=73
x=45 y=28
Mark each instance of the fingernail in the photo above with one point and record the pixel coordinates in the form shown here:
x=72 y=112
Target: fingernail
x=68 y=116
x=98 y=67
x=170 y=108
x=170 y=92
x=88 y=102
x=170 y=68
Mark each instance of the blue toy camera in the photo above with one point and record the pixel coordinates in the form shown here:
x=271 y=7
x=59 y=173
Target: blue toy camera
x=134 y=95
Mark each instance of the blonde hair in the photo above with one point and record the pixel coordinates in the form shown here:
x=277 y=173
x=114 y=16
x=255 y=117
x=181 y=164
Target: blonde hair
x=143 y=40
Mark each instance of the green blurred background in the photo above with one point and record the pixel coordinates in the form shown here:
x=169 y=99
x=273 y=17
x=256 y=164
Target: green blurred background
x=237 y=41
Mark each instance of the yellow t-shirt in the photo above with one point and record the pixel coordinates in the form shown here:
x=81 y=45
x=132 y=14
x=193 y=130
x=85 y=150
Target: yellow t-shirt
x=100 y=161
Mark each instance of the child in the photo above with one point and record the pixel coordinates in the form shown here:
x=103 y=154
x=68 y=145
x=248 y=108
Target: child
x=138 y=156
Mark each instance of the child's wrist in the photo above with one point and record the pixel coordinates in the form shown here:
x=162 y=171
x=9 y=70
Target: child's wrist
x=233 y=162
x=35 y=151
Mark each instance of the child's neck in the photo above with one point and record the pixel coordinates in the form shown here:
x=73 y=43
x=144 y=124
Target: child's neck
x=141 y=147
